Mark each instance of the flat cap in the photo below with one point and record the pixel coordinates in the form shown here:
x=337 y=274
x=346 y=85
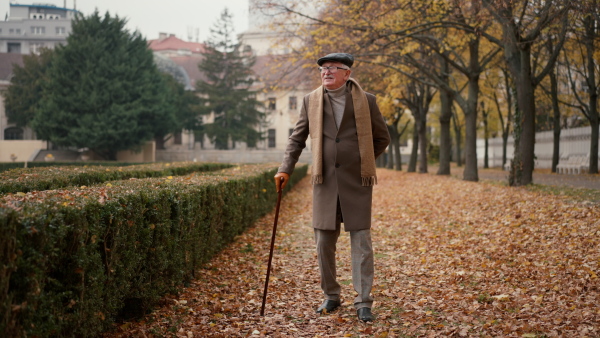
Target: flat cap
x=344 y=58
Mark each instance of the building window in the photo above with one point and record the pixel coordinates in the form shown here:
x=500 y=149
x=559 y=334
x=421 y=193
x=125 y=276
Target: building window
x=13 y=133
x=271 y=138
x=272 y=103
x=36 y=47
x=293 y=103
x=61 y=31
x=38 y=30
x=14 y=31
x=13 y=47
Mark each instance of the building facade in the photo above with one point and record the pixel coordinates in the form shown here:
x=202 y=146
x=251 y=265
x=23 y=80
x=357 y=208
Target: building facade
x=30 y=28
x=281 y=83
x=26 y=30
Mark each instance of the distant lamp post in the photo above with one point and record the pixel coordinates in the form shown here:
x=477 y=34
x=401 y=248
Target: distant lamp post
x=13 y=157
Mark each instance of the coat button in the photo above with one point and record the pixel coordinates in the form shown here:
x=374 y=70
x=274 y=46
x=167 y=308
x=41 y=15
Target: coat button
x=337 y=165
x=337 y=140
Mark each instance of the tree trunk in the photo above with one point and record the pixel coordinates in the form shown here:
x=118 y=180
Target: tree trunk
x=556 y=126
x=526 y=99
x=486 y=157
x=390 y=158
x=445 y=135
x=591 y=24
x=398 y=158
x=445 y=117
x=518 y=58
x=458 y=138
x=470 y=172
x=412 y=162
x=423 y=143
x=509 y=115
x=393 y=130
x=486 y=136
x=470 y=111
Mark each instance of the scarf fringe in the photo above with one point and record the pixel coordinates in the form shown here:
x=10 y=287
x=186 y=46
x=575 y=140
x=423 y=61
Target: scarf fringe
x=317 y=179
x=369 y=181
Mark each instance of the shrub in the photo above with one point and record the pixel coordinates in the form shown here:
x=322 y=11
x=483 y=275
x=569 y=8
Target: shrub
x=31 y=179
x=36 y=164
x=73 y=260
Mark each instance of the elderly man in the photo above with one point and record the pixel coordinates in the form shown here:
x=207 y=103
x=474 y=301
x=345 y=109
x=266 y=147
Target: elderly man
x=348 y=133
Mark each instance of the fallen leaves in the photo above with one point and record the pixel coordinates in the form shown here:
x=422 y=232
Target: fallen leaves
x=453 y=259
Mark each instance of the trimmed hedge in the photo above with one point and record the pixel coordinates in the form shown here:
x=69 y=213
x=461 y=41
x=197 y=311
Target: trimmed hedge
x=32 y=179
x=35 y=164
x=74 y=260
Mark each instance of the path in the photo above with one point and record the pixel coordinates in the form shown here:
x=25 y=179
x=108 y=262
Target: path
x=453 y=259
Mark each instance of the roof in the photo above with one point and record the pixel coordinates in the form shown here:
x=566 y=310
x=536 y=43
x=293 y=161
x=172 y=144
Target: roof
x=174 y=43
x=46 y=6
x=7 y=62
x=270 y=70
x=190 y=64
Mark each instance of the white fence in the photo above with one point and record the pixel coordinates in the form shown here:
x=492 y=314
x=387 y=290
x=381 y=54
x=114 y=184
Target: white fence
x=574 y=141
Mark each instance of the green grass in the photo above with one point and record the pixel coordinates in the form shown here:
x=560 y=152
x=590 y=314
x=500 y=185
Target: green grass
x=576 y=194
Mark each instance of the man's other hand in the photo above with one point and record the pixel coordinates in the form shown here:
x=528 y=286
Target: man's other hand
x=281 y=180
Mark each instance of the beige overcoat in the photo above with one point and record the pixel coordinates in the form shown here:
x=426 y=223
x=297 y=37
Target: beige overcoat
x=341 y=165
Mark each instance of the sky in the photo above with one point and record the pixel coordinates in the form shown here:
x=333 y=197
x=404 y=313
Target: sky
x=152 y=17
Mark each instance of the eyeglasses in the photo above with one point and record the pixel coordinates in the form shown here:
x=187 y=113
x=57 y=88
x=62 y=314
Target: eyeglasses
x=333 y=70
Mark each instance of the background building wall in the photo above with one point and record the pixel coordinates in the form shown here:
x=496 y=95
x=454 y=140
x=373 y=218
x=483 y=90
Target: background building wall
x=23 y=149
x=575 y=141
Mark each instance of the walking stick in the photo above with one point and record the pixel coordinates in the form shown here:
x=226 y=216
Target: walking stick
x=262 y=309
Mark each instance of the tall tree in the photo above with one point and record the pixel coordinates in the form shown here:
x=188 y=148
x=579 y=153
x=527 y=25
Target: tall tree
x=417 y=97
x=226 y=93
x=586 y=71
x=22 y=98
x=184 y=104
x=103 y=91
x=522 y=24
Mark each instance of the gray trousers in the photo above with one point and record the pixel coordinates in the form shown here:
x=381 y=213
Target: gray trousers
x=362 y=264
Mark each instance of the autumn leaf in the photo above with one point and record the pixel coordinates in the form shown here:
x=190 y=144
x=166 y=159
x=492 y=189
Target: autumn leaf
x=474 y=280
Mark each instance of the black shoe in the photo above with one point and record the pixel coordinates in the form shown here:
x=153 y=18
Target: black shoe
x=329 y=306
x=364 y=314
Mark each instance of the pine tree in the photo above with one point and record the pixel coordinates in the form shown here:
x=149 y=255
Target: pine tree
x=104 y=91
x=23 y=96
x=184 y=104
x=226 y=92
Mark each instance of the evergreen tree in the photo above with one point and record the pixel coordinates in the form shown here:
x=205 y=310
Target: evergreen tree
x=226 y=92
x=23 y=96
x=104 y=91
x=184 y=105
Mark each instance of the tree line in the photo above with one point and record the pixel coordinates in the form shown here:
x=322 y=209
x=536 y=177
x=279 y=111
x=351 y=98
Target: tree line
x=481 y=67
x=103 y=91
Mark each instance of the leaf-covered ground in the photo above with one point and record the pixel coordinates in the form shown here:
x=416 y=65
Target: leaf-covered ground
x=453 y=259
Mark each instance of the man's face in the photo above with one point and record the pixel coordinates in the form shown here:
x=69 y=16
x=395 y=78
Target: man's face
x=336 y=78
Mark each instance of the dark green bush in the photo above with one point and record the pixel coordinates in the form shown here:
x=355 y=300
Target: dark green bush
x=74 y=260
x=32 y=179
